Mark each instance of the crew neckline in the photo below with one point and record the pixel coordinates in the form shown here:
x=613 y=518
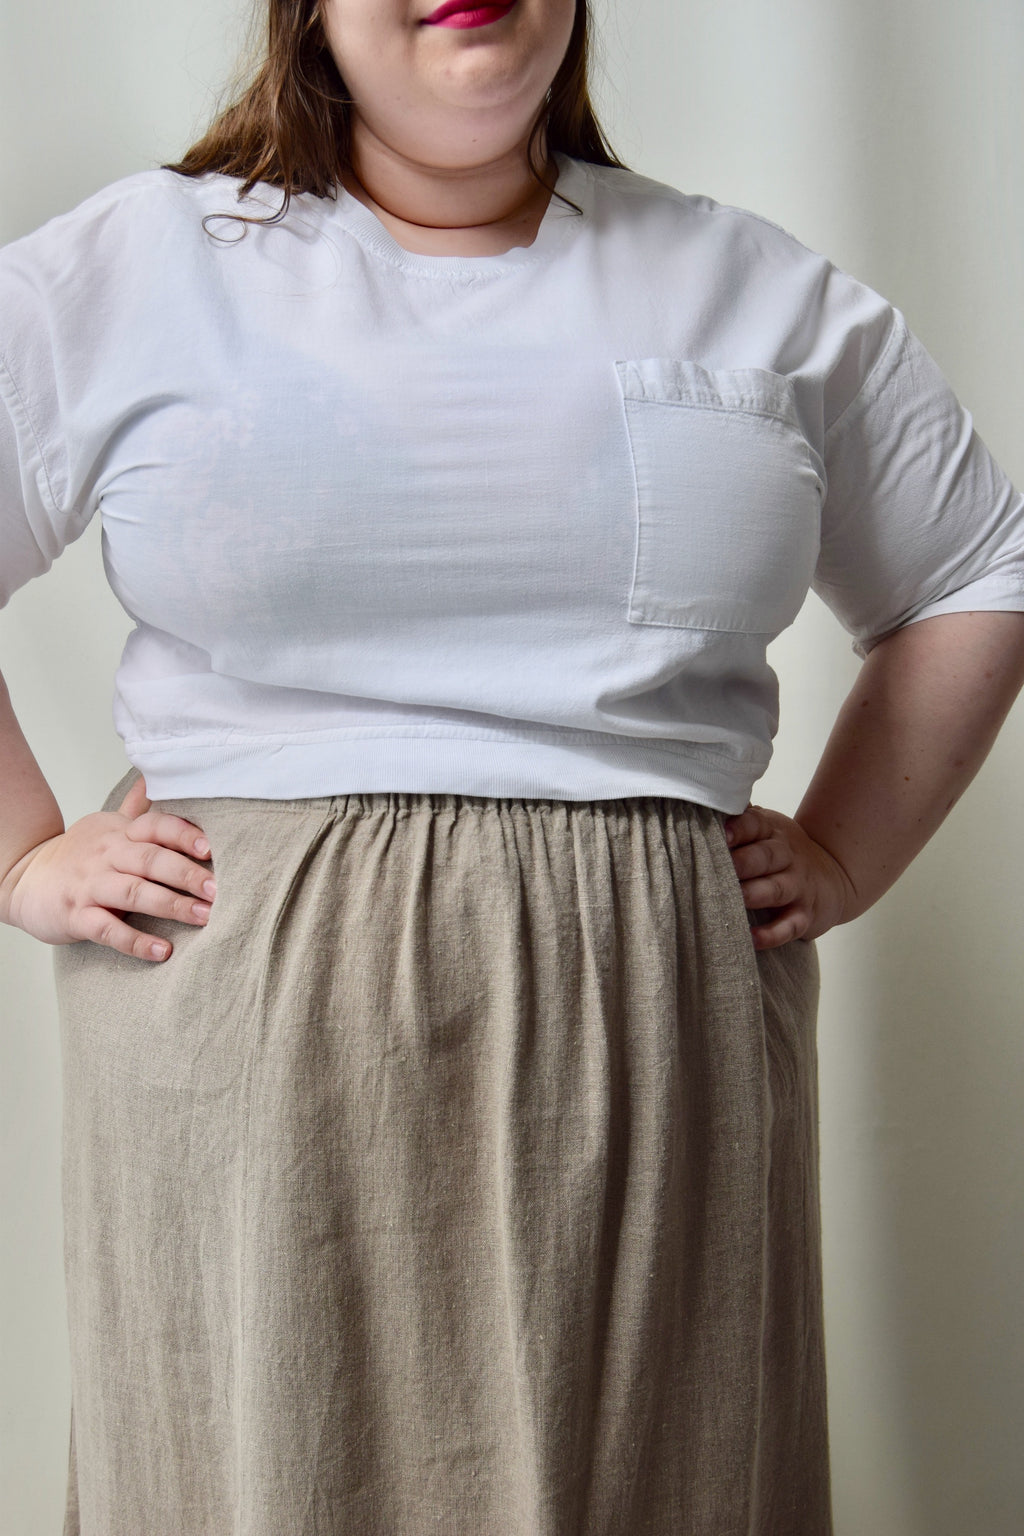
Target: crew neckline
x=555 y=229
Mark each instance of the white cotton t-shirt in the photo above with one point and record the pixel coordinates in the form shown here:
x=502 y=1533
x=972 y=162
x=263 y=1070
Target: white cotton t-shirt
x=513 y=525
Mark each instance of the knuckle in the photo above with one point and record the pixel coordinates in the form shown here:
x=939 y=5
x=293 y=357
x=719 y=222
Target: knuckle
x=176 y=829
x=75 y=925
x=767 y=891
x=106 y=842
x=104 y=932
x=796 y=923
x=142 y=829
x=148 y=853
x=133 y=894
x=764 y=856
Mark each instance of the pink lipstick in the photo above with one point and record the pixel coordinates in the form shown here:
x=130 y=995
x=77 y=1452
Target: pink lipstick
x=466 y=13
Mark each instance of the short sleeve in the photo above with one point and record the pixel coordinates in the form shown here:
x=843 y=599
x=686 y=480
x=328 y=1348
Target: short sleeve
x=36 y=521
x=918 y=518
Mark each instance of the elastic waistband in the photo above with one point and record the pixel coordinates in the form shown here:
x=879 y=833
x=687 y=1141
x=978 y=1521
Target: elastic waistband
x=412 y=802
x=398 y=803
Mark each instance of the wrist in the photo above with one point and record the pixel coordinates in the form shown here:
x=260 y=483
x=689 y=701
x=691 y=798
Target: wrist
x=846 y=902
x=9 y=881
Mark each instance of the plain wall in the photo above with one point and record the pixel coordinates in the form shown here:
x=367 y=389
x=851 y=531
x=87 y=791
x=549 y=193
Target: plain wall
x=887 y=134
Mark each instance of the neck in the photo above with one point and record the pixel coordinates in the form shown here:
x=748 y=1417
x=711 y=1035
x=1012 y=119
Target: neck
x=501 y=191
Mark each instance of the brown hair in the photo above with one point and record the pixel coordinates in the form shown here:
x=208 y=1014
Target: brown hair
x=291 y=125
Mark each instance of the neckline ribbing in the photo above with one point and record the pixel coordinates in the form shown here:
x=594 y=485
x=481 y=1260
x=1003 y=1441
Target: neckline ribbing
x=556 y=227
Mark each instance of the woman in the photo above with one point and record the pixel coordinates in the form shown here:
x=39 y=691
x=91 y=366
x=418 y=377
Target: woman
x=459 y=1168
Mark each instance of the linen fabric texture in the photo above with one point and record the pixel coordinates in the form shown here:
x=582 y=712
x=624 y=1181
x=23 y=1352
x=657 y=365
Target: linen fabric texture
x=461 y=1175
x=513 y=525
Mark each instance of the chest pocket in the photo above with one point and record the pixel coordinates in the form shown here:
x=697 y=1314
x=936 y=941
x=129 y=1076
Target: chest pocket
x=728 y=497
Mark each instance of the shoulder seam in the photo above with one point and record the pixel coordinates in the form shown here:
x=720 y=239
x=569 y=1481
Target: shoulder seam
x=690 y=201
x=895 y=330
x=99 y=201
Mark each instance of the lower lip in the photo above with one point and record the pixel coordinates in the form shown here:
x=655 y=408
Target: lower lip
x=481 y=17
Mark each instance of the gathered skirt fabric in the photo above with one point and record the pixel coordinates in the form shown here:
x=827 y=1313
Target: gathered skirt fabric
x=460 y=1176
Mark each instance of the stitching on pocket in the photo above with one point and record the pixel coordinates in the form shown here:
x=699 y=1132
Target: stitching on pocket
x=727 y=522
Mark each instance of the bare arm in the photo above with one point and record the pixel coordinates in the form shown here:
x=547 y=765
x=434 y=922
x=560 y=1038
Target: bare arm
x=917 y=725
x=28 y=811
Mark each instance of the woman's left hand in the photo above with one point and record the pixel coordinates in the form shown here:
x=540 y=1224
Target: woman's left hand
x=781 y=868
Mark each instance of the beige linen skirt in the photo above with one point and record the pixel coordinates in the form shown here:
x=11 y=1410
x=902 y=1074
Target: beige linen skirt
x=460 y=1176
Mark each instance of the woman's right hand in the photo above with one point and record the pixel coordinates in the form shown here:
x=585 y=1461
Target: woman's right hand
x=76 y=885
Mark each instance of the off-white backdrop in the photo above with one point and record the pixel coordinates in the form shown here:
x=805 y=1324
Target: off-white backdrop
x=887 y=134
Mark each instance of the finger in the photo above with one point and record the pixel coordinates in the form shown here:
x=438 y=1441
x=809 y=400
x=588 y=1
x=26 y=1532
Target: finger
x=135 y=802
x=104 y=927
x=782 y=928
x=131 y=893
x=768 y=856
x=171 y=831
x=150 y=861
x=746 y=828
x=770 y=891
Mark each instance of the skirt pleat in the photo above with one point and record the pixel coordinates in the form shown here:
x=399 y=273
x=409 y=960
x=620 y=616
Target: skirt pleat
x=460 y=1175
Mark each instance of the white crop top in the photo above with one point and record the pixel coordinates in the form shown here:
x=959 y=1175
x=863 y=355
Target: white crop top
x=514 y=525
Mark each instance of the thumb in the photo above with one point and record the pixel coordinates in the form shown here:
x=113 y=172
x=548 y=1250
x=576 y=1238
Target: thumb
x=135 y=802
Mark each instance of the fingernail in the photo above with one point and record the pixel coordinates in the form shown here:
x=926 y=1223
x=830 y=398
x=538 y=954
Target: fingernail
x=202 y=847
x=210 y=888
x=159 y=951
x=730 y=835
x=201 y=910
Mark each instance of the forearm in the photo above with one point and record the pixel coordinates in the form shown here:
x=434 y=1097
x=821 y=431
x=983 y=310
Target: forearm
x=916 y=727
x=29 y=813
